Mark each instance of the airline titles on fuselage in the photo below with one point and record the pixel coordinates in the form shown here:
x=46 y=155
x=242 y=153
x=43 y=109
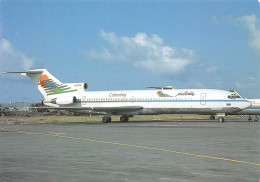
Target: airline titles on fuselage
x=185 y=93
x=117 y=95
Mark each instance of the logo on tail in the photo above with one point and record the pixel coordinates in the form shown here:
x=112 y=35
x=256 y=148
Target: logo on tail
x=44 y=79
x=52 y=88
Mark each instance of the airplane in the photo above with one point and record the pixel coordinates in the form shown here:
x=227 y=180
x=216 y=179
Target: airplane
x=127 y=103
x=253 y=110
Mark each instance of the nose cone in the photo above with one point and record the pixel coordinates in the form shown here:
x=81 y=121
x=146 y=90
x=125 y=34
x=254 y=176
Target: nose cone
x=245 y=105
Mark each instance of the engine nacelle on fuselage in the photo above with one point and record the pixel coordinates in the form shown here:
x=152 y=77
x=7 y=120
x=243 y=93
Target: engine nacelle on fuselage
x=77 y=86
x=64 y=100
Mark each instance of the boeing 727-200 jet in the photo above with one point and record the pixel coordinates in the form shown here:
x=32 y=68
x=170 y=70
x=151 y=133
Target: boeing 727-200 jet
x=74 y=97
x=253 y=110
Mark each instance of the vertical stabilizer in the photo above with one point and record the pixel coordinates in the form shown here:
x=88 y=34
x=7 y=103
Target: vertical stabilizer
x=46 y=83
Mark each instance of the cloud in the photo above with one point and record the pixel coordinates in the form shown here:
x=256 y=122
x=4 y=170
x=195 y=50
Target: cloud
x=11 y=59
x=251 y=23
x=143 y=51
x=214 y=19
x=211 y=69
x=248 y=83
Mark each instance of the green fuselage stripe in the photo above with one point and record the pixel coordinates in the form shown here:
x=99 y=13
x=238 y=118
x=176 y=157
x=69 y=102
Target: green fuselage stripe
x=60 y=92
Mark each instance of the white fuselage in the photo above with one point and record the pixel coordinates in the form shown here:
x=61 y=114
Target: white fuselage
x=172 y=101
x=253 y=110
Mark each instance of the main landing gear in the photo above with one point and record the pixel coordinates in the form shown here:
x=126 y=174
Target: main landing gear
x=107 y=119
x=212 y=117
x=124 y=118
x=250 y=119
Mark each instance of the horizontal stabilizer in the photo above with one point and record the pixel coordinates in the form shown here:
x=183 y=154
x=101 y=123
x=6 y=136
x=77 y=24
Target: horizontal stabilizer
x=25 y=73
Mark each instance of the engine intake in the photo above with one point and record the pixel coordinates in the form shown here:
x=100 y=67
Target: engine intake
x=77 y=86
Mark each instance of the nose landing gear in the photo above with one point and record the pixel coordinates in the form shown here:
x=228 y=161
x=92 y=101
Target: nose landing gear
x=221 y=118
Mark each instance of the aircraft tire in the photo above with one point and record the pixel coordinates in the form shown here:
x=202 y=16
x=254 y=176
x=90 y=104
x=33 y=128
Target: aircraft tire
x=221 y=119
x=249 y=119
x=124 y=118
x=212 y=117
x=106 y=119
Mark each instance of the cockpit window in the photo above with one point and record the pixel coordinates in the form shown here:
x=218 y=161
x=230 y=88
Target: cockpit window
x=234 y=96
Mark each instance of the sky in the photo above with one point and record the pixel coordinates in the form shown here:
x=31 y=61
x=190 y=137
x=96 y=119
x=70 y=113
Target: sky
x=121 y=45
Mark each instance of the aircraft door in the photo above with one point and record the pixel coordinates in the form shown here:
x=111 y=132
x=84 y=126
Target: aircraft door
x=203 y=98
x=133 y=99
x=83 y=101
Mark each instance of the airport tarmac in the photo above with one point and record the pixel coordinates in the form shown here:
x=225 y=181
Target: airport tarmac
x=165 y=151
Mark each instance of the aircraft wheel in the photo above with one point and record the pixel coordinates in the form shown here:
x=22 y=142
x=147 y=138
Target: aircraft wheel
x=124 y=118
x=106 y=119
x=249 y=119
x=221 y=120
x=212 y=117
x=256 y=118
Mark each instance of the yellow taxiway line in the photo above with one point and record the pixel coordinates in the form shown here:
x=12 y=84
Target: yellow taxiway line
x=61 y=135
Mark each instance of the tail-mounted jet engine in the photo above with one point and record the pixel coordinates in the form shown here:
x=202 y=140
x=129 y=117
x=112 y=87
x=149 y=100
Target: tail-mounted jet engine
x=78 y=86
x=64 y=100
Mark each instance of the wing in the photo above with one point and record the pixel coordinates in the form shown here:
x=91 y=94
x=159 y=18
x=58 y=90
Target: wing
x=101 y=110
x=117 y=110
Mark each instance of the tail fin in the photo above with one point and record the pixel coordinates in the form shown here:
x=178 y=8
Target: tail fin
x=46 y=83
